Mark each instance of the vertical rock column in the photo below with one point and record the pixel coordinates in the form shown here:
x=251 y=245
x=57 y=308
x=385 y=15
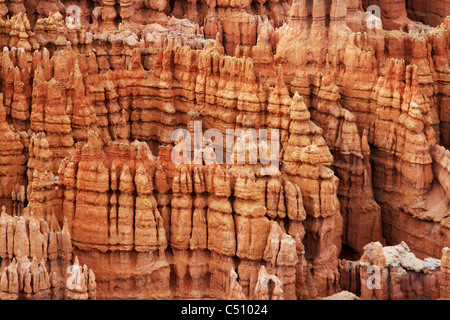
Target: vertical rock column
x=278 y=109
x=100 y=91
x=149 y=225
x=440 y=53
x=251 y=108
x=20 y=108
x=12 y=170
x=149 y=234
x=362 y=215
x=108 y=15
x=444 y=283
x=67 y=183
x=221 y=229
x=163 y=197
x=318 y=34
x=373 y=273
x=280 y=255
x=198 y=244
x=252 y=228
x=48 y=115
x=90 y=221
x=83 y=114
x=181 y=226
x=42 y=187
x=15 y=74
x=306 y=162
x=359 y=77
x=125 y=213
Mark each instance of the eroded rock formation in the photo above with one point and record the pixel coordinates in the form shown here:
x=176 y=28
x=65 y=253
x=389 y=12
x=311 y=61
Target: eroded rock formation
x=36 y=261
x=351 y=109
x=393 y=273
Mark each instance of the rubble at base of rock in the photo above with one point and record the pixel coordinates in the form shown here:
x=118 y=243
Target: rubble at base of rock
x=94 y=207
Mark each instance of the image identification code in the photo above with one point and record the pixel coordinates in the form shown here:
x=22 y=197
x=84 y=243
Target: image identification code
x=231 y=309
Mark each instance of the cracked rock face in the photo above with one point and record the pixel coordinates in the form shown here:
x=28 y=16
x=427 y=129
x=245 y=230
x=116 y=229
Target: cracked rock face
x=355 y=107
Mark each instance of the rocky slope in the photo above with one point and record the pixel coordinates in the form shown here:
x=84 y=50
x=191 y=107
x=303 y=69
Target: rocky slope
x=359 y=104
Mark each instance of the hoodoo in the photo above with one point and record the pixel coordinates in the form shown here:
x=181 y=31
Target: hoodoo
x=263 y=150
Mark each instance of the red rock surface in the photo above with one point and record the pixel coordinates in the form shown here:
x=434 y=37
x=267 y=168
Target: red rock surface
x=87 y=112
x=393 y=273
x=36 y=261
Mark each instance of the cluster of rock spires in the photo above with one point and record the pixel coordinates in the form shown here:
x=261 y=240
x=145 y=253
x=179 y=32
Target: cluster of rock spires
x=36 y=261
x=88 y=105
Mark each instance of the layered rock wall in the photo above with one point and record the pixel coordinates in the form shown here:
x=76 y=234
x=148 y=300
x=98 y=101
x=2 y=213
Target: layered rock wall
x=88 y=107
